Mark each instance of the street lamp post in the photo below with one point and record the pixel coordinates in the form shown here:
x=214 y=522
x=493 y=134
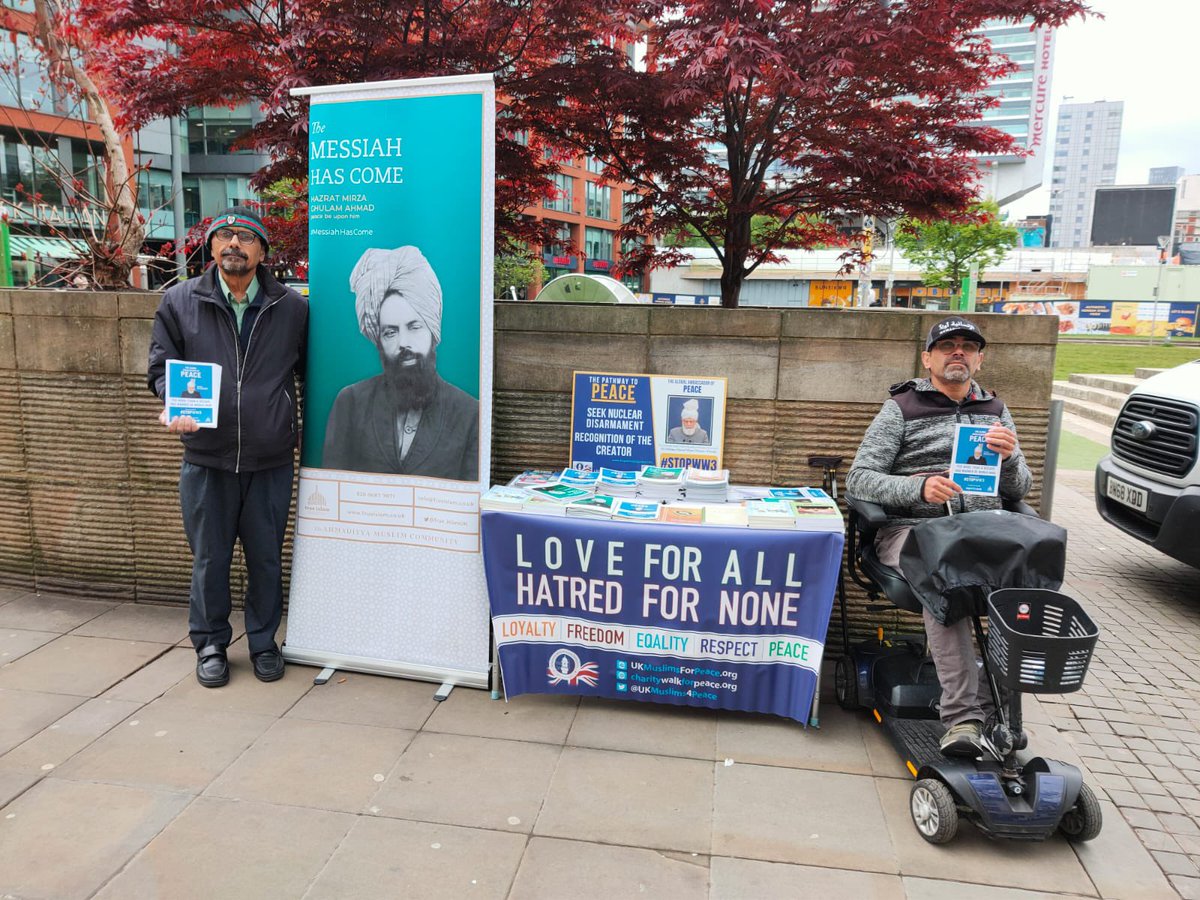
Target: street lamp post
x=1165 y=243
x=891 y=279
x=864 y=272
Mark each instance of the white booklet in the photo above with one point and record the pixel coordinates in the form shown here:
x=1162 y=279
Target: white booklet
x=193 y=389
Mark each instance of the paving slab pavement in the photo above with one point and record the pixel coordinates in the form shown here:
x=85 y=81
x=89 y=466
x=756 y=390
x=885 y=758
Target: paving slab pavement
x=120 y=777
x=1134 y=721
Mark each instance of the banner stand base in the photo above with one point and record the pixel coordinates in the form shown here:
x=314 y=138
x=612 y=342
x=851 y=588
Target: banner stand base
x=345 y=663
x=324 y=675
x=444 y=691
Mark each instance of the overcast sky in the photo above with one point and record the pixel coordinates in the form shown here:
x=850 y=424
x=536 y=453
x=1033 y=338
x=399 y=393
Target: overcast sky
x=1147 y=53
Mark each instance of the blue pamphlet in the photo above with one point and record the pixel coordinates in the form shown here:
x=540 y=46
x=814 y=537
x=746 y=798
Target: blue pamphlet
x=974 y=466
x=193 y=389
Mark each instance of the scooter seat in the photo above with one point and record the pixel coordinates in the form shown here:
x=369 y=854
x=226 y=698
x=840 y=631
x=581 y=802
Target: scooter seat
x=890 y=581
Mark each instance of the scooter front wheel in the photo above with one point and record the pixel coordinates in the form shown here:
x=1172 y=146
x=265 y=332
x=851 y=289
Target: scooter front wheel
x=934 y=811
x=1084 y=821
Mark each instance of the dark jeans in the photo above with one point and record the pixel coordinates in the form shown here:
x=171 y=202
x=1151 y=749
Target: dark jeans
x=220 y=507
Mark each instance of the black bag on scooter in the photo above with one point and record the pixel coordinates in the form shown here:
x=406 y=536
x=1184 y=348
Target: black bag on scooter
x=953 y=563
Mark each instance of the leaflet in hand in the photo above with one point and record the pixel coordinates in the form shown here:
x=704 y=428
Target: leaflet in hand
x=974 y=467
x=193 y=389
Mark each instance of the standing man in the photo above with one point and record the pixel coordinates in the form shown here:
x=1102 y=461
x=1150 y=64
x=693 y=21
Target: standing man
x=408 y=420
x=236 y=479
x=902 y=464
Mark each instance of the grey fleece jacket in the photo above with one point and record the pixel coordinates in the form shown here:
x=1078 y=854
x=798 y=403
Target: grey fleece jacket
x=911 y=438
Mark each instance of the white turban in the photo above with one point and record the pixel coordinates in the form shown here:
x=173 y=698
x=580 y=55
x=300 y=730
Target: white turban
x=691 y=409
x=403 y=271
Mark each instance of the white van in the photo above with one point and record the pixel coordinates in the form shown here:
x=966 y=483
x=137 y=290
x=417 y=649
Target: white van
x=1149 y=486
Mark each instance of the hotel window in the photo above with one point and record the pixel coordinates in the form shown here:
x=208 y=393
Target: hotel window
x=213 y=132
x=599 y=201
x=598 y=243
x=560 y=243
x=564 y=186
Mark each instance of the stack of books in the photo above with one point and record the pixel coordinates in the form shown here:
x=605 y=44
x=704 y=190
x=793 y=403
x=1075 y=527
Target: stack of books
x=585 y=480
x=770 y=512
x=671 y=495
x=637 y=510
x=534 y=478
x=502 y=497
x=731 y=515
x=804 y=496
x=678 y=513
x=595 y=506
x=657 y=483
x=706 y=485
x=617 y=483
x=553 y=498
x=815 y=517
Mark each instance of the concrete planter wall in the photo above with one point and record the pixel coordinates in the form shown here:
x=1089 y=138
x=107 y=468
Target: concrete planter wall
x=88 y=499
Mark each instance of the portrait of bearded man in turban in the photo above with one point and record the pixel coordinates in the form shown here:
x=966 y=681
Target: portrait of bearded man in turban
x=688 y=431
x=406 y=420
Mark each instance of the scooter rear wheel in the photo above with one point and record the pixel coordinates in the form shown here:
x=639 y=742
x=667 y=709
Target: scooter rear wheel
x=845 y=683
x=1084 y=821
x=934 y=811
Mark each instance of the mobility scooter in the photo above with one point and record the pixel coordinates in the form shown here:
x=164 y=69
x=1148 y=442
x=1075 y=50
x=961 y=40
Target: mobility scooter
x=1038 y=641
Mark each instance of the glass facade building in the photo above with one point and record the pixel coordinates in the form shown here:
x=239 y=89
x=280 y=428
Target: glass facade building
x=1087 y=142
x=1022 y=110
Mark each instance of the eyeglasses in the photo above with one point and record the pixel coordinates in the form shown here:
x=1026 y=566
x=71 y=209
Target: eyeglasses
x=228 y=235
x=969 y=348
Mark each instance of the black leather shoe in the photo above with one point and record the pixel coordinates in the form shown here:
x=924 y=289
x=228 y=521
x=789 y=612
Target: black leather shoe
x=268 y=665
x=212 y=667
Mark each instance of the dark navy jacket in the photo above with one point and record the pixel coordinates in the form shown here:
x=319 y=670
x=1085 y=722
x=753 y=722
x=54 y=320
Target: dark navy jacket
x=259 y=368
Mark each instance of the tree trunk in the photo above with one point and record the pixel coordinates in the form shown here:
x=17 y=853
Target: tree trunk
x=114 y=256
x=731 y=284
x=733 y=266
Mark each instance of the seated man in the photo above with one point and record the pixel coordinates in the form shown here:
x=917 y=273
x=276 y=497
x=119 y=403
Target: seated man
x=902 y=464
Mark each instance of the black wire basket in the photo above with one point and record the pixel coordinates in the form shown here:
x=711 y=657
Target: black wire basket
x=1039 y=641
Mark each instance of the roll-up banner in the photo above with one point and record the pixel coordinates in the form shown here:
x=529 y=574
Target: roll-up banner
x=387 y=572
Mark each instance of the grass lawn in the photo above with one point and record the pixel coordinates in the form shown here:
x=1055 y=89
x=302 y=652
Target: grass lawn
x=1075 y=452
x=1117 y=359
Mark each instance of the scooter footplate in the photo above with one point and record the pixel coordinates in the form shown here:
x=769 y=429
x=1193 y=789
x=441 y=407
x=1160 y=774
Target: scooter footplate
x=916 y=739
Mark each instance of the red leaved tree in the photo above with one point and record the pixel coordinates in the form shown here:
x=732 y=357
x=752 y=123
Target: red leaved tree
x=166 y=56
x=104 y=215
x=792 y=111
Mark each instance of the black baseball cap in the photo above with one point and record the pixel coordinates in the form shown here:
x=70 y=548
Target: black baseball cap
x=952 y=325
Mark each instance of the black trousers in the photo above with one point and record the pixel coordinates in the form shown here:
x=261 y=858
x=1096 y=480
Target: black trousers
x=220 y=507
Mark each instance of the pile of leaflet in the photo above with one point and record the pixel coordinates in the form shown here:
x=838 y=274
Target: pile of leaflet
x=657 y=483
x=617 y=483
x=706 y=485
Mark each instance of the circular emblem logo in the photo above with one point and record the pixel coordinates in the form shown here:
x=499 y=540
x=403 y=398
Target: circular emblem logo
x=564 y=663
x=229 y=220
x=1143 y=430
x=565 y=666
